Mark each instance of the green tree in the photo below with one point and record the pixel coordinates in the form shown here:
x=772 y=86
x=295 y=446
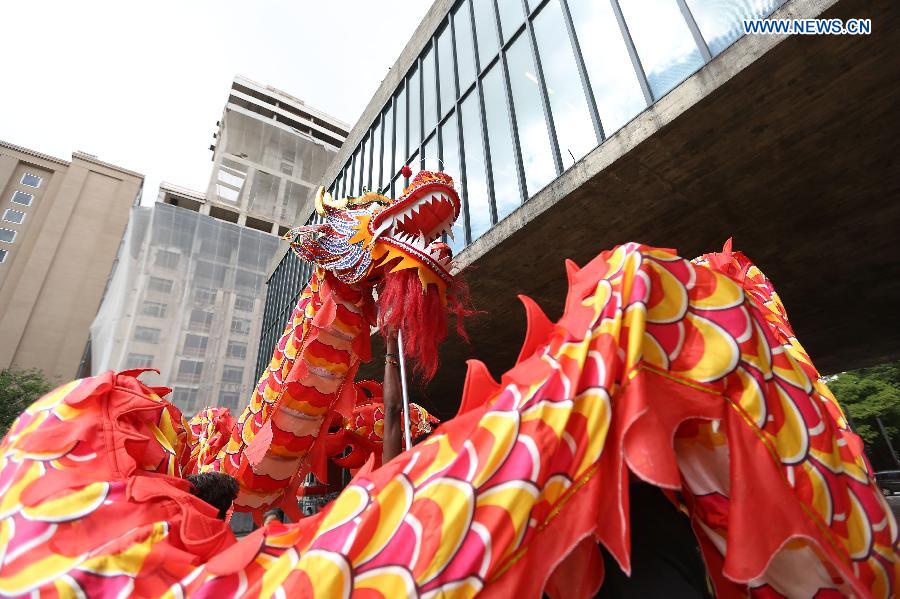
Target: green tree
x=18 y=389
x=867 y=395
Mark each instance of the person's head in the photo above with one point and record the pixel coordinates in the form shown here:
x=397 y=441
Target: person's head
x=215 y=488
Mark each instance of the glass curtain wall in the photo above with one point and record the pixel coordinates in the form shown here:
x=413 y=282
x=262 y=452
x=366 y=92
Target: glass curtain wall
x=508 y=94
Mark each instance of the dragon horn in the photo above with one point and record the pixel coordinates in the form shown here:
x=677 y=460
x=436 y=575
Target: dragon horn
x=324 y=199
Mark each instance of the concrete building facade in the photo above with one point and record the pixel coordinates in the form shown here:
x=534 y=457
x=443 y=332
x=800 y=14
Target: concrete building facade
x=188 y=290
x=186 y=298
x=571 y=126
x=270 y=152
x=61 y=222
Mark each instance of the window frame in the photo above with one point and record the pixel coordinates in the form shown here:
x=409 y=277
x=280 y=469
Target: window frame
x=39 y=178
x=19 y=192
x=12 y=239
x=15 y=222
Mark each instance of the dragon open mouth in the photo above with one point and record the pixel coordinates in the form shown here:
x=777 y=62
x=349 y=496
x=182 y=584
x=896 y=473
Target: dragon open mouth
x=418 y=219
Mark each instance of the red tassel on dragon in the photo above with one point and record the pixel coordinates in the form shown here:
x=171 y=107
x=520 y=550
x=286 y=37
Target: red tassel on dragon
x=685 y=375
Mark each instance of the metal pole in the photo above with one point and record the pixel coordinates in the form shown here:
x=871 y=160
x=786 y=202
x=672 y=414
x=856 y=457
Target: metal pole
x=406 y=424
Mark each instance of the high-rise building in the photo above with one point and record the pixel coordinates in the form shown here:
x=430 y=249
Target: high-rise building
x=62 y=221
x=186 y=298
x=571 y=126
x=269 y=155
x=188 y=289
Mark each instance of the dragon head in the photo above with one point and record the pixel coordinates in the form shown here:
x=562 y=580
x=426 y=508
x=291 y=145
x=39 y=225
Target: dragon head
x=394 y=246
x=364 y=238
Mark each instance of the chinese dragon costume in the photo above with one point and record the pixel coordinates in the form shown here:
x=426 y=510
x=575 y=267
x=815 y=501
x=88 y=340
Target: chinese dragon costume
x=683 y=374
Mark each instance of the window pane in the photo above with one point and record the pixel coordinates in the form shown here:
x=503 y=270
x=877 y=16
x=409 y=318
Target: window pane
x=7 y=235
x=400 y=126
x=22 y=198
x=503 y=165
x=31 y=180
x=387 y=168
x=430 y=156
x=613 y=79
x=429 y=98
x=357 y=172
x=415 y=113
x=571 y=117
x=445 y=70
x=465 y=45
x=511 y=17
x=476 y=177
x=13 y=216
x=485 y=30
x=533 y=135
x=376 y=157
x=663 y=41
x=720 y=21
x=450 y=144
x=3 y=255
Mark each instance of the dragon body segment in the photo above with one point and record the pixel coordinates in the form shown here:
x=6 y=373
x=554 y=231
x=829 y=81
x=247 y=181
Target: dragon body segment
x=685 y=375
x=308 y=386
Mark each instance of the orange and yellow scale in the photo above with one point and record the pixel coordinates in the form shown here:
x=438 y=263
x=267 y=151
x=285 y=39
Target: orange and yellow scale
x=309 y=378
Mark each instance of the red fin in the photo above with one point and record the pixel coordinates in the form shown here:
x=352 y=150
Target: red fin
x=289 y=504
x=326 y=314
x=258 y=447
x=478 y=388
x=538 y=329
x=571 y=270
x=346 y=397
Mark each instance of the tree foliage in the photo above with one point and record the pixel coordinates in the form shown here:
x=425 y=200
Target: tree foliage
x=18 y=389
x=868 y=394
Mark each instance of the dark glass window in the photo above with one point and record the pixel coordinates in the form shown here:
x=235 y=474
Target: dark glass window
x=240 y=326
x=243 y=303
x=139 y=361
x=614 y=81
x=387 y=163
x=485 y=30
x=189 y=371
x=232 y=374
x=400 y=124
x=229 y=399
x=415 y=112
x=375 y=154
x=476 y=176
x=720 y=21
x=465 y=45
x=503 y=162
x=156 y=309
x=534 y=138
x=445 y=69
x=31 y=180
x=204 y=296
x=201 y=320
x=195 y=345
x=160 y=285
x=511 y=16
x=571 y=116
x=3 y=255
x=13 y=216
x=450 y=143
x=237 y=349
x=663 y=41
x=166 y=259
x=429 y=99
x=146 y=334
x=22 y=198
x=7 y=235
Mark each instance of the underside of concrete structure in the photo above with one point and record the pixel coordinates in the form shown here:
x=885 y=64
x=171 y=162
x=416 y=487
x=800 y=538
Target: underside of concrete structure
x=788 y=145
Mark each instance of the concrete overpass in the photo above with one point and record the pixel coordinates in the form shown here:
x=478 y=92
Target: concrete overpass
x=788 y=144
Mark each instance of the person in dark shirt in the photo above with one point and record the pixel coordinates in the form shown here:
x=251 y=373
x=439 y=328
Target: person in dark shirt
x=665 y=556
